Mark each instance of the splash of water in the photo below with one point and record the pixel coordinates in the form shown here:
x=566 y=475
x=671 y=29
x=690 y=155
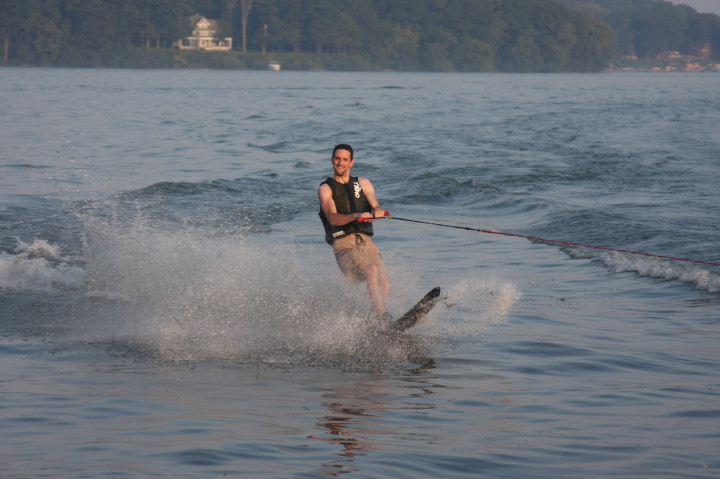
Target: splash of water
x=197 y=295
x=39 y=266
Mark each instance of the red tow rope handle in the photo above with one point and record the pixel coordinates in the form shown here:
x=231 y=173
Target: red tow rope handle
x=370 y=220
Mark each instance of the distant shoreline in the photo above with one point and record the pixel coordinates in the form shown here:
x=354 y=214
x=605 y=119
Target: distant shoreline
x=712 y=69
x=166 y=59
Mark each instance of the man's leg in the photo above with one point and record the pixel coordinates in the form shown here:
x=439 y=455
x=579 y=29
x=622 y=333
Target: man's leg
x=378 y=287
x=360 y=260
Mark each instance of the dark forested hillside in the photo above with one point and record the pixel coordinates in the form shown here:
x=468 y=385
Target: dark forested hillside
x=438 y=35
x=406 y=35
x=648 y=28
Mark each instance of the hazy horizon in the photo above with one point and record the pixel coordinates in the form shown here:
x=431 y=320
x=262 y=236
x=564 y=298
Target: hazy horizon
x=702 y=6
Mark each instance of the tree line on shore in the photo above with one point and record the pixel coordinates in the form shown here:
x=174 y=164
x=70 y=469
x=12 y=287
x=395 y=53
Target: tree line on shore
x=403 y=35
x=649 y=28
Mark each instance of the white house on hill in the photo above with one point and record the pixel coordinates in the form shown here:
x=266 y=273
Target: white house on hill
x=203 y=36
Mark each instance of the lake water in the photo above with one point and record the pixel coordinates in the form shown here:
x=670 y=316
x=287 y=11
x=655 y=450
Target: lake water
x=168 y=307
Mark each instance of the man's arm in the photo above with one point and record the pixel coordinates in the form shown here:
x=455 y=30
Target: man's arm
x=377 y=211
x=327 y=205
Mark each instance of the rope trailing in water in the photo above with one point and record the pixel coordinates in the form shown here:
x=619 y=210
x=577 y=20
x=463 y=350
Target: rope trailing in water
x=545 y=240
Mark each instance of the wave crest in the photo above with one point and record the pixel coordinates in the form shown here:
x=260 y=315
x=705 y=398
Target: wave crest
x=39 y=266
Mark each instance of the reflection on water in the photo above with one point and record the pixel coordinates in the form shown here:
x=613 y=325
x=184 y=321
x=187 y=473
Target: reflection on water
x=360 y=415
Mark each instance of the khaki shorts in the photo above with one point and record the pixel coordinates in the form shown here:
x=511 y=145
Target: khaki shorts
x=354 y=255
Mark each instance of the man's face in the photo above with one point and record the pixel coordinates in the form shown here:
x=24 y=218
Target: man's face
x=342 y=162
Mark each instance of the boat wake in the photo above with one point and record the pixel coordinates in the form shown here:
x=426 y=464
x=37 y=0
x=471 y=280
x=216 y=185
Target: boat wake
x=703 y=278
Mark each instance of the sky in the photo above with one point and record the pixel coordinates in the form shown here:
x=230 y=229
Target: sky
x=702 y=6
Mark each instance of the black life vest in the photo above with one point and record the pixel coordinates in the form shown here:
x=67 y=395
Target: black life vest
x=349 y=198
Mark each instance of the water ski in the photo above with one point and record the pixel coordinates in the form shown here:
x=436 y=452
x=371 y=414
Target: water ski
x=416 y=313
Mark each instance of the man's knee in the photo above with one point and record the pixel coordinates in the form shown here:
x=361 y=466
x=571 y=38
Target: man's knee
x=377 y=275
x=376 y=272
x=372 y=270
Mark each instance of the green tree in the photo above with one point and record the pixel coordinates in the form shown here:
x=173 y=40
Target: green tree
x=699 y=32
x=524 y=55
x=15 y=24
x=594 y=46
x=473 y=55
x=45 y=40
x=658 y=30
x=334 y=30
x=403 y=49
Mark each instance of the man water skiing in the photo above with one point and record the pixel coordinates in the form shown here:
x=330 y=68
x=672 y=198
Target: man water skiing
x=347 y=208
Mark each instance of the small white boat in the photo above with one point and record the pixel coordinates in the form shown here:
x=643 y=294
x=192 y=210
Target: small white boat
x=274 y=66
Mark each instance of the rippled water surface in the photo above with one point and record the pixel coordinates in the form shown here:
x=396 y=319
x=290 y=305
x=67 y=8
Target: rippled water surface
x=168 y=307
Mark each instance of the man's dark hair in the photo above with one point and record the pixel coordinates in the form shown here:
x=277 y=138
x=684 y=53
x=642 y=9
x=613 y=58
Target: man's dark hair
x=343 y=146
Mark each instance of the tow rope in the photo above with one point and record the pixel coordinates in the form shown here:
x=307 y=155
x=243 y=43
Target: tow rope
x=545 y=240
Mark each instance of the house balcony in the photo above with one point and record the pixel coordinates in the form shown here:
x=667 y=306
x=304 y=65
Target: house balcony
x=205 y=43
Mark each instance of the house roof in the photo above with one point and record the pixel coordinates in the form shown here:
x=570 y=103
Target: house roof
x=197 y=18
